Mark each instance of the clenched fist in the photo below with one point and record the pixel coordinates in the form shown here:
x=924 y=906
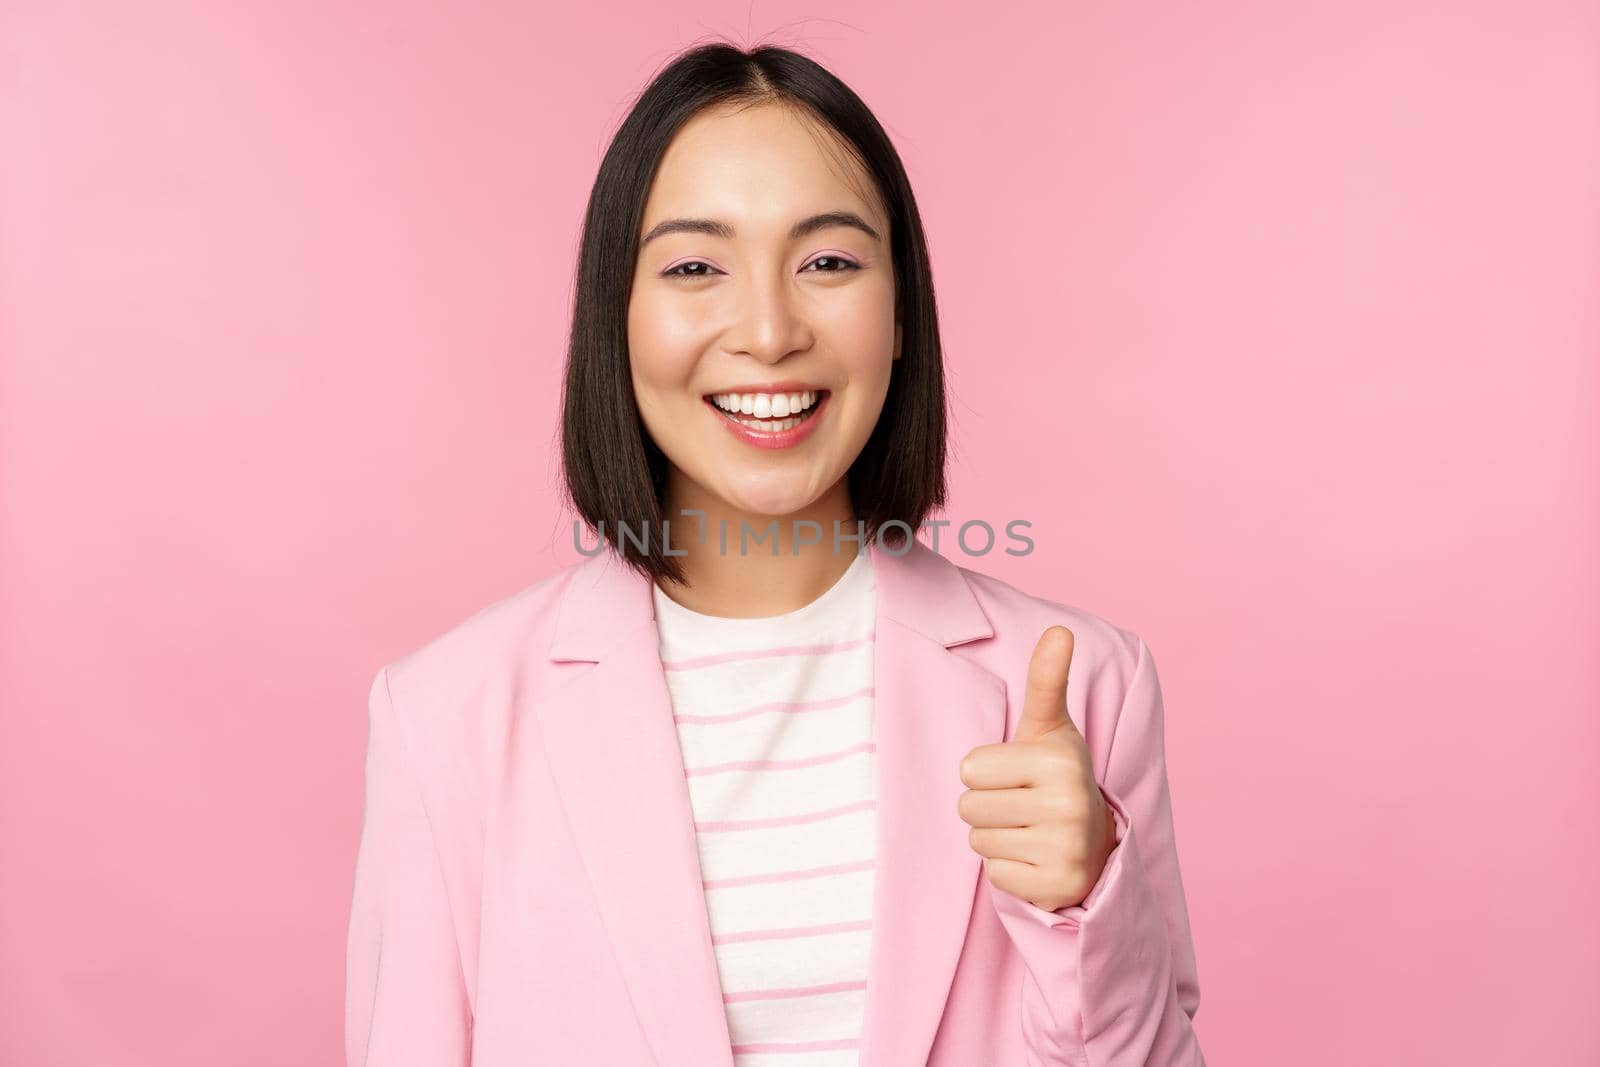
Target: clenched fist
x=1037 y=815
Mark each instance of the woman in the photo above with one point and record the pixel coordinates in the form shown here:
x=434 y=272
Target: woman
x=738 y=789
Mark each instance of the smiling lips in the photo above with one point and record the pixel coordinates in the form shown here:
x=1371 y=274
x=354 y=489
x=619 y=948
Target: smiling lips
x=766 y=405
x=770 y=419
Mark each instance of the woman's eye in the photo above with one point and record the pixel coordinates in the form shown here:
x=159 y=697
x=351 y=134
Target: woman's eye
x=680 y=272
x=695 y=268
x=840 y=264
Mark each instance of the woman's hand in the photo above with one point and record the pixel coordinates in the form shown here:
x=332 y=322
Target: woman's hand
x=1037 y=815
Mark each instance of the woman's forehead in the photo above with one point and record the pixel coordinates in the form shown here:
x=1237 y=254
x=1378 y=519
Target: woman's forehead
x=763 y=165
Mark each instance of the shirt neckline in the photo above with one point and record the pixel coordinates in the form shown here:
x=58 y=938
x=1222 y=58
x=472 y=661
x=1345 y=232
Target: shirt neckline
x=856 y=580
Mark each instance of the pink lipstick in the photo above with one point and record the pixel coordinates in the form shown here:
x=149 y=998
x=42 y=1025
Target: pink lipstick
x=750 y=429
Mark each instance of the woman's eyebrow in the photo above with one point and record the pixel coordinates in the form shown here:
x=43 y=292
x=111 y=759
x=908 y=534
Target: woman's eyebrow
x=720 y=229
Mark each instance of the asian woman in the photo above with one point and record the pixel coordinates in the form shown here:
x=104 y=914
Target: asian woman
x=763 y=779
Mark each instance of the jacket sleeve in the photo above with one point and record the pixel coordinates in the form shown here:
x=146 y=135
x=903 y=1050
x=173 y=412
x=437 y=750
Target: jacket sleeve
x=1112 y=981
x=405 y=998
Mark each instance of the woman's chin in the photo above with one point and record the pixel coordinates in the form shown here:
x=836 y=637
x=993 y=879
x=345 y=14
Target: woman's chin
x=769 y=504
x=763 y=510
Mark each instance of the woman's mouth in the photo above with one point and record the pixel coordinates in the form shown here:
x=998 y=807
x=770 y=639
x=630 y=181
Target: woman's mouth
x=770 y=420
x=768 y=412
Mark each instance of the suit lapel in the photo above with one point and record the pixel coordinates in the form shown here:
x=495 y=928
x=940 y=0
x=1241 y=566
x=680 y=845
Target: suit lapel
x=931 y=708
x=614 y=753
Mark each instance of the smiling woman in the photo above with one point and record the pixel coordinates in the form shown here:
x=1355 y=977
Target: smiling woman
x=792 y=276
x=796 y=806
x=775 y=250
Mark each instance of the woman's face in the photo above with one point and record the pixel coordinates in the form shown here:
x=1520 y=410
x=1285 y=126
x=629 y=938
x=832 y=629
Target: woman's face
x=752 y=283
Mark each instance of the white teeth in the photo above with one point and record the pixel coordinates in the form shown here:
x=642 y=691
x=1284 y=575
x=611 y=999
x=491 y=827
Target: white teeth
x=772 y=425
x=766 y=405
x=770 y=412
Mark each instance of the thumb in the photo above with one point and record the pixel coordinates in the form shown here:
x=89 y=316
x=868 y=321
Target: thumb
x=1044 y=704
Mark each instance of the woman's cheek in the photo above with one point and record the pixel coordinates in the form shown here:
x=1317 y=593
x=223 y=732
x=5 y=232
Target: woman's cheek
x=863 y=326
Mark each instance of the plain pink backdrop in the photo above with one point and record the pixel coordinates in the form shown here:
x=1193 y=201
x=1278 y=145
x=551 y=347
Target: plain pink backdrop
x=1292 y=307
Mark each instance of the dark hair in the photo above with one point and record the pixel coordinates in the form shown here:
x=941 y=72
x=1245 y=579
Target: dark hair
x=613 y=470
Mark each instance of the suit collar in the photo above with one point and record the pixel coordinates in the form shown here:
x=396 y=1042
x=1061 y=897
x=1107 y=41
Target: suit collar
x=613 y=750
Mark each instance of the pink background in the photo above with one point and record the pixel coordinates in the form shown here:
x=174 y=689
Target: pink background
x=1291 y=307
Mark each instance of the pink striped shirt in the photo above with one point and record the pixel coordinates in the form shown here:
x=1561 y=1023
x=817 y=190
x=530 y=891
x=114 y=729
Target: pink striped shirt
x=774 y=721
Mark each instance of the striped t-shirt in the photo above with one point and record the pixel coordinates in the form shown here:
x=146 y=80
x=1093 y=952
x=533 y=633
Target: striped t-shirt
x=774 y=721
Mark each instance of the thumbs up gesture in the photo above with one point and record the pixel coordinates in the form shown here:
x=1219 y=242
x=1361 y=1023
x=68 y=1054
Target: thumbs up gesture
x=1037 y=815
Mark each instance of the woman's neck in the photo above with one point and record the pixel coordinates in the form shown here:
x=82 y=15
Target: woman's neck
x=750 y=578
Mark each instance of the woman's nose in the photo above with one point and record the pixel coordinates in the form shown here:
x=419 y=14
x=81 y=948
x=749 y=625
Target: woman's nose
x=769 y=325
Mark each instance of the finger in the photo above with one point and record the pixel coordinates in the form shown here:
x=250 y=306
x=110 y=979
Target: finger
x=1020 y=845
x=1004 y=765
x=1044 y=702
x=998 y=807
x=1027 y=806
x=1024 y=880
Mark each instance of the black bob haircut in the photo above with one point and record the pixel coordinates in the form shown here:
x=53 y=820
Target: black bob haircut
x=614 y=472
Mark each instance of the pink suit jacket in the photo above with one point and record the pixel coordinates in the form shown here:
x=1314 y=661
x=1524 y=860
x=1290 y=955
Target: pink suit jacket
x=527 y=886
